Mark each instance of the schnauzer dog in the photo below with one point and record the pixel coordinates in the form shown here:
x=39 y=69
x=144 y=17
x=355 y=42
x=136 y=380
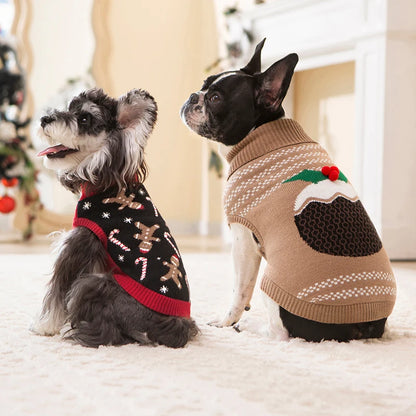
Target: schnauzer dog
x=119 y=276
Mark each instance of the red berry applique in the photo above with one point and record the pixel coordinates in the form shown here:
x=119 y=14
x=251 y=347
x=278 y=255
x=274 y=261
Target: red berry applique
x=331 y=171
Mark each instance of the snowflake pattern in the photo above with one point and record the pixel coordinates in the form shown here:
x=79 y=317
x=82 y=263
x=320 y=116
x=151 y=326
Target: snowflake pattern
x=87 y=205
x=128 y=220
x=164 y=289
x=106 y=215
x=121 y=258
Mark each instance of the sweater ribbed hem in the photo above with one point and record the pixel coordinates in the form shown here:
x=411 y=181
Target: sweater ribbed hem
x=153 y=300
x=149 y=298
x=274 y=135
x=331 y=314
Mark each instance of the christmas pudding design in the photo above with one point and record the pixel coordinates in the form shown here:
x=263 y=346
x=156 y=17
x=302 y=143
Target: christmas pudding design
x=329 y=216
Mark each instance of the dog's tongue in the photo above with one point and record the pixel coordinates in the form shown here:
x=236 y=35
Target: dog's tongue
x=53 y=149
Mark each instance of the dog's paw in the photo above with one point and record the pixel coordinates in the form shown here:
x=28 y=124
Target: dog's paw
x=45 y=327
x=222 y=323
x=250 y=325
x=230 y=319
x=281 y=334
x=262 y=330
x=217 y=323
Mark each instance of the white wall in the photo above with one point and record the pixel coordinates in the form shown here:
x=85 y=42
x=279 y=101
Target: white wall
x=379 y=37
x=324 y=104
x=62 y=44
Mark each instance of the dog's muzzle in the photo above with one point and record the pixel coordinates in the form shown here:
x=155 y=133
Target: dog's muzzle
x=193 y=111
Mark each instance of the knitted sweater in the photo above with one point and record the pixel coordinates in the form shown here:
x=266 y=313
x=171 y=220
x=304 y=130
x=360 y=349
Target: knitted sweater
x=141 y=251
x=325 y=261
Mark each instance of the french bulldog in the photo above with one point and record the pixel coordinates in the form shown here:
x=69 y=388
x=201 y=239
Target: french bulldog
x=328 y=276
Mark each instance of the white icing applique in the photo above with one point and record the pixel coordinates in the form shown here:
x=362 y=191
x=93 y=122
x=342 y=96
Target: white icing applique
x=325 y=191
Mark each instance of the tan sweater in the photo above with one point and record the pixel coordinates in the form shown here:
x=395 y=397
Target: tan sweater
x=325 y=261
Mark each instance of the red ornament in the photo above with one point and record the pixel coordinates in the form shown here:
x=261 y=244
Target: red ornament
x=7 y=204
x=9 y=183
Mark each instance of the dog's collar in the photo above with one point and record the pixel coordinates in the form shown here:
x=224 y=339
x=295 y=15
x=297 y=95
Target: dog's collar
x=265 y=139
x=87 y=191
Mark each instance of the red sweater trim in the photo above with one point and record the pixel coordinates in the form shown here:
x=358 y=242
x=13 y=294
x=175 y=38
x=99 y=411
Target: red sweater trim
x=91 y=225
x=149 y=298
x=153 y=300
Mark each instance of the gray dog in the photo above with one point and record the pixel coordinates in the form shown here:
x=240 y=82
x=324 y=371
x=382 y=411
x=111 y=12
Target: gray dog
x=119 y=276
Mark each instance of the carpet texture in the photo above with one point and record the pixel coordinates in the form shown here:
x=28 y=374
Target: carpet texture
x=221 y=373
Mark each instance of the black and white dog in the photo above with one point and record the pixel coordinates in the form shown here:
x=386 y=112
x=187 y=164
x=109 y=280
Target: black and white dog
x=229 y=108
x=119 y=277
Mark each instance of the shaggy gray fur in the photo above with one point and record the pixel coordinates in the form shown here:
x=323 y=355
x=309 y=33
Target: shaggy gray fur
x=82 y=291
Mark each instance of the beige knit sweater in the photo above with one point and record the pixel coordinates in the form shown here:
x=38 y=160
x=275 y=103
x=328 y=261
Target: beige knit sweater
x=325 y=261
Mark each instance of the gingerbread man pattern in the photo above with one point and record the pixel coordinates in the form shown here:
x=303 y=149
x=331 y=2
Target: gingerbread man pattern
x=173 y=273
x=141 y=251
x=146 y=236
x=123 y=200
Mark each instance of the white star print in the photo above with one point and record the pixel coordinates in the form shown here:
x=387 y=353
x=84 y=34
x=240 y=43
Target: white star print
x=87 y=205
x=141 y=192
x=106 y=215
x=120 y=257
x=128 y=220
x=164 y=289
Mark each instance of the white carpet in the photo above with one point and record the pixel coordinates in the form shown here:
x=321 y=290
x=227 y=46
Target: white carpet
x=221 y=373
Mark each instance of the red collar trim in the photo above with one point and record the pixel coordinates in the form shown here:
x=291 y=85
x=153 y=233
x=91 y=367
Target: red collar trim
x=86 y=191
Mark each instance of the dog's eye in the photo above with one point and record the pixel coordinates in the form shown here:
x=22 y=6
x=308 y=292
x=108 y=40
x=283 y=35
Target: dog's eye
x=84 y=118
x=214 y=98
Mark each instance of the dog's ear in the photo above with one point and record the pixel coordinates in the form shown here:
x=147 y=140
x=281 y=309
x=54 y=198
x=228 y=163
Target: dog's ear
x=254 y=65
x=136 y=115
x=272 y=84
x=137 y=110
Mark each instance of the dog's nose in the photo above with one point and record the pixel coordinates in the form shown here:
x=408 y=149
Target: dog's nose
x=46 y=120
x=194 y=98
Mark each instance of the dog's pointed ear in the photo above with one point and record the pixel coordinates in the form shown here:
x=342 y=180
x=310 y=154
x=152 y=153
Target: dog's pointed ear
x=137 y=109
x=254 y=65
x=272 y=84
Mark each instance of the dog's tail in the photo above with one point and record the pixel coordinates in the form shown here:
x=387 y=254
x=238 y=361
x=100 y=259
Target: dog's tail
x=92 y=303
x=172 y=331
x=102 y=313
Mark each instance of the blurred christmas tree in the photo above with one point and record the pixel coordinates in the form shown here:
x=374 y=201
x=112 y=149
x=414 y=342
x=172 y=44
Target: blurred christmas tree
x=17 y=171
